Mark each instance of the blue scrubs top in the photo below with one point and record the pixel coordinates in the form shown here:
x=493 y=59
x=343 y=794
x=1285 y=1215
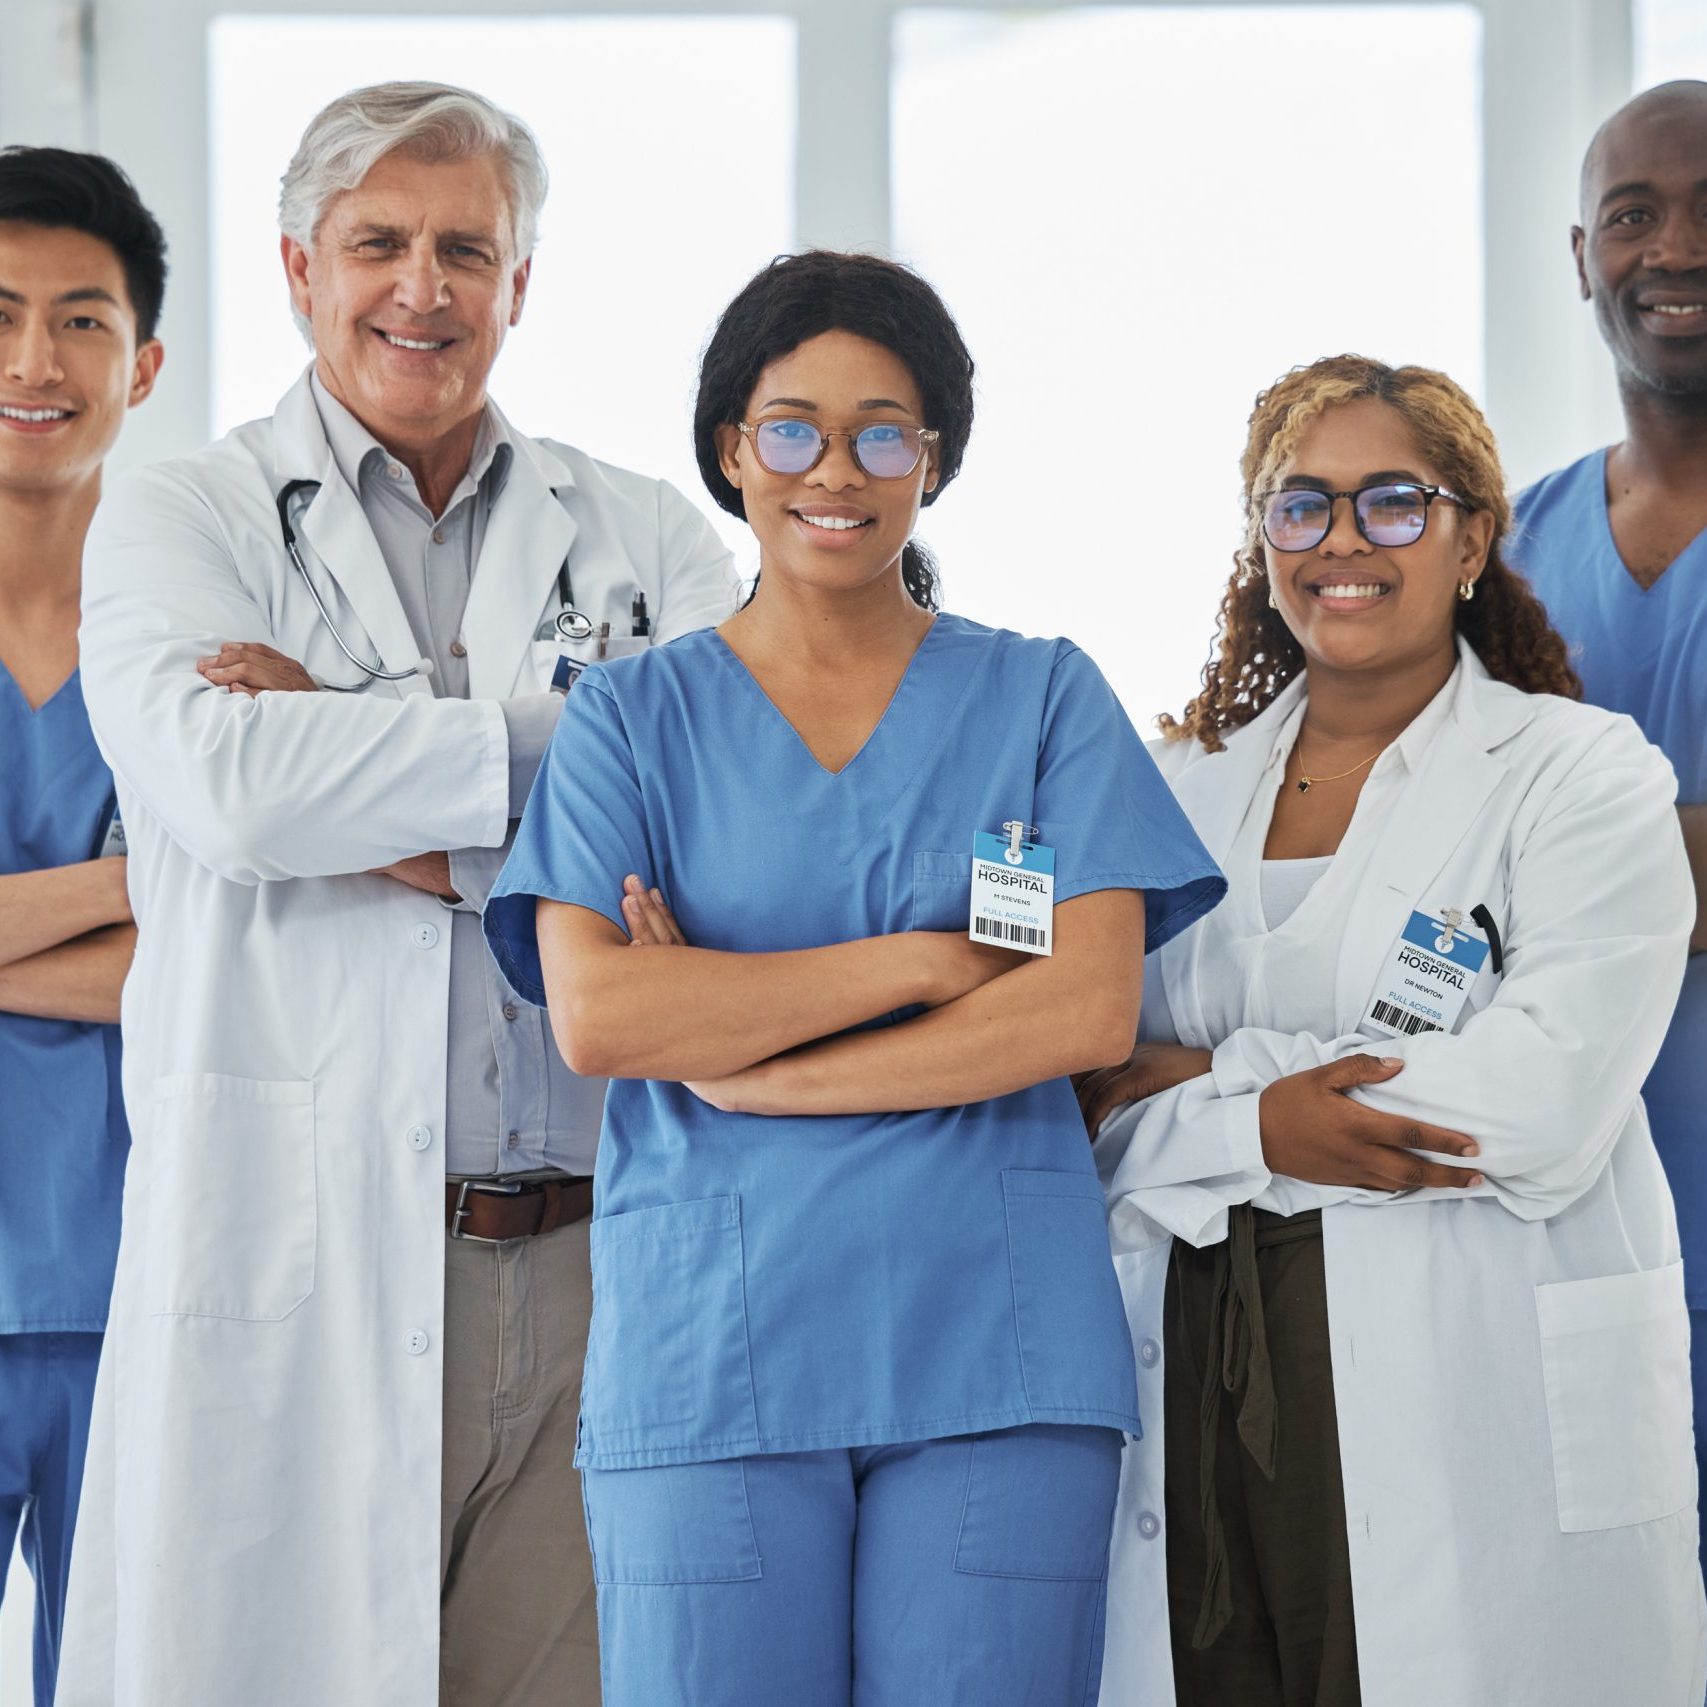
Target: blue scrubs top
x=799 y=1284
x=63 y=1138
x=1644 y=653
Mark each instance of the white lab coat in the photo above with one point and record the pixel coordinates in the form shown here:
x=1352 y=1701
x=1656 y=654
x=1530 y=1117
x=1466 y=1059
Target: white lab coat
x=1510 y=1367
x=260 y=1515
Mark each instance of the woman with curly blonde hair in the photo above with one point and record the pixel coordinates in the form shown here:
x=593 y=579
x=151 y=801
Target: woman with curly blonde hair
x=1383 y=1198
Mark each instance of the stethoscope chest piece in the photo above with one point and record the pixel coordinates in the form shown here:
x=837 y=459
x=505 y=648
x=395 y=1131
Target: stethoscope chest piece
x=568 y=624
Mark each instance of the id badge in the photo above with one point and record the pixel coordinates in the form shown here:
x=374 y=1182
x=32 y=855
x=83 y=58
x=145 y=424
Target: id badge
x=1013 y=893
x=113 y=842
x=1427 y=978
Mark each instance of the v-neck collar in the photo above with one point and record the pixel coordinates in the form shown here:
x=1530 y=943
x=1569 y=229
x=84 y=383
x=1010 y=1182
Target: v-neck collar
x=1604 y=511
x=24 y=699
x=926 y=641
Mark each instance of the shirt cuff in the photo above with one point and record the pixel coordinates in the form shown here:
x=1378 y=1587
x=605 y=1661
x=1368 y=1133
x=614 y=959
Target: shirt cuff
x=474 y=874
x=529 y=723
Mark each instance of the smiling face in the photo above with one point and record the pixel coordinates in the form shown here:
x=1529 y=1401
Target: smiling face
x=1353 y=606
x=69 y=362
x=410 y=286
x=834 y=527
x=1642 y=247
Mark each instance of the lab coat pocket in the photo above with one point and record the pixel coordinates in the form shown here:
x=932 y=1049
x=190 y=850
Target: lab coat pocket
x=1074 y=1346
x=942 y=891
x=667 y=1364
x=232 y=1213
x=544 y=655
x=1615 y=1357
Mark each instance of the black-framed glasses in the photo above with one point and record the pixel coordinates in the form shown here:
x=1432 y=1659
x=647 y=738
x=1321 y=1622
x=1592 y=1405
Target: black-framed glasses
x=886 y=450
x=1389 y=513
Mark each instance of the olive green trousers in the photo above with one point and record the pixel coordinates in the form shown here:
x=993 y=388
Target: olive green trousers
x=1259 y=1577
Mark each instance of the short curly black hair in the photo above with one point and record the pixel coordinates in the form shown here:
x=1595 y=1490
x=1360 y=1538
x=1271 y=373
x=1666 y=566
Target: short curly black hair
x=64 y=190
x=798 y=297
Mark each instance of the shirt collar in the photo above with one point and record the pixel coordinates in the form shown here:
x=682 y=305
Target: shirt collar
x=356 y=451
x=1413 y=741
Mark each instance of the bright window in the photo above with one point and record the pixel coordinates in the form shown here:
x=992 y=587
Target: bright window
x=641 y=243
x=1140 y=217
x=1671 y=41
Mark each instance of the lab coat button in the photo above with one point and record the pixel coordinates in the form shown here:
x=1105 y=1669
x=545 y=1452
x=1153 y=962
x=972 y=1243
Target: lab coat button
x=425 y=935
x=417 y=1342
x=509 y=1010
x=1149 y=1525
x=1149 y=1353
x=458 y=650
x=420 y=1137
x=438 y=536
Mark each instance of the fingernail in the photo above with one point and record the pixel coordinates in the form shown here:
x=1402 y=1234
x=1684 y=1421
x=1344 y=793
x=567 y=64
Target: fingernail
x=631 y=883
x=1477 y=1179
x=1392 y=1061
x=658 y=897
x=1472 y=1149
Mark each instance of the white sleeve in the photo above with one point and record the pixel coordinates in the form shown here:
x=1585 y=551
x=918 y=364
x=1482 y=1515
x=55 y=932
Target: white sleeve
x=284 y=784
x=697 y=570
x=1179 y=1159
x=1544 y=1077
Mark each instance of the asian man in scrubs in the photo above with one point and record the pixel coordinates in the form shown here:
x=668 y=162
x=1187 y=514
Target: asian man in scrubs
x=82 y=272
x=1616 y=545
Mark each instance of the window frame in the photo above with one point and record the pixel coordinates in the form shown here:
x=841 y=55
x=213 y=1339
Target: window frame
x=1552 y=69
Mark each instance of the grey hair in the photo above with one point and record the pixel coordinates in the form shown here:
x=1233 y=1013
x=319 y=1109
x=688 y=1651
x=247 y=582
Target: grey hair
x=346 y=140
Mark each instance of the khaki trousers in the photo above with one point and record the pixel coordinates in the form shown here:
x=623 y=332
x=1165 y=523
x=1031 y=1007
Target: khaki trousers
x=518 y=1626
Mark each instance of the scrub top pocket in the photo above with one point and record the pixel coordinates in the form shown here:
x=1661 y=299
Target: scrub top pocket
x=1615 y=1357
x=230 y=1197
x=669 y=1300
x=942 y=891
x=1066 y=1298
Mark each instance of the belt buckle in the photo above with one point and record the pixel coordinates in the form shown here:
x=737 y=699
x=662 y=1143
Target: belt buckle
x=493 y=1188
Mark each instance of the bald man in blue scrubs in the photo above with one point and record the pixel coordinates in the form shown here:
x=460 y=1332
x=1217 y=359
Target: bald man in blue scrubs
x=82 y=270
x=1616 y=545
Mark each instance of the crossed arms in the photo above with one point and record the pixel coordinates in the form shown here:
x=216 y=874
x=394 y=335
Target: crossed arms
x=65 y=941
x=768 y=1033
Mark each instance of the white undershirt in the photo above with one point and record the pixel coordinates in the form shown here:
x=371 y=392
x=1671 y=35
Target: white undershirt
x=1285 y=883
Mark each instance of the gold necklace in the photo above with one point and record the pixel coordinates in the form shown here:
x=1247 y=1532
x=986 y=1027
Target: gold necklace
x=1306 y=783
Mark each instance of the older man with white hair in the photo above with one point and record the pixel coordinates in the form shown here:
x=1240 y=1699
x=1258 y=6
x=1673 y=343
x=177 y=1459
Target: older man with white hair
x=331 y=1461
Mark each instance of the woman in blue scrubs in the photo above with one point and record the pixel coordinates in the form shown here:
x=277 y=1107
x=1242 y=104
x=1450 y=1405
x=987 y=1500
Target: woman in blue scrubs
x=851 y=1420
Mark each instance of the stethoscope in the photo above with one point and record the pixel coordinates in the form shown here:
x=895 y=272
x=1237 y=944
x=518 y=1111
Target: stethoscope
x=568 y=624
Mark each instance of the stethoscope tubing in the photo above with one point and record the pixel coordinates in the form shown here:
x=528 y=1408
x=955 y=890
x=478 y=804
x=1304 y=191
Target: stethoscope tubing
x=569 y=624
x=370 y=672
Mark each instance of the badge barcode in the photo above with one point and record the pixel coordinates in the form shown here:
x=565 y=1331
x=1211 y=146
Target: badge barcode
x=1024 y=935
x=1384 y=1013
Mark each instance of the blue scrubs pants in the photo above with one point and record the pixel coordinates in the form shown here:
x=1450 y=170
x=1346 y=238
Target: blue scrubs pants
x=964 y=1572
x=47 y=1384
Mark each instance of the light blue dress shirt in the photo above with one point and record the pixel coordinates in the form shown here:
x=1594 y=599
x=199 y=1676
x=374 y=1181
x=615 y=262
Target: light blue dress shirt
x=1642 y=651
x=63 y=1138
x=800 y=1284
x=511 y=1106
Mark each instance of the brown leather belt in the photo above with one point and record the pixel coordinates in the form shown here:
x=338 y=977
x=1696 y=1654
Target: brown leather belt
x=489 y=1211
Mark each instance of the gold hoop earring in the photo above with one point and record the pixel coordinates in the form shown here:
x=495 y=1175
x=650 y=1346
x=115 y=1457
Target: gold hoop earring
x=1467 y=590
